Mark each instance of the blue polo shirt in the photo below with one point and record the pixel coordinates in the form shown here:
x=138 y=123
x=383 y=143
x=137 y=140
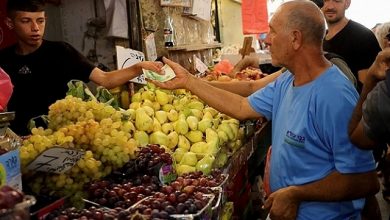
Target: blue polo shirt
x=310 y=138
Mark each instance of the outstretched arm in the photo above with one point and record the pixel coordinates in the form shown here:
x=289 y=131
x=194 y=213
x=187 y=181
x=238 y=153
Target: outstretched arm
x=116 y=78
x=229 y=103
x=375 y=73
x=246 y=88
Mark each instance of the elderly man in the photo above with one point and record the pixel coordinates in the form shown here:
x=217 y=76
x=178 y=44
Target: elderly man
x=315 y=171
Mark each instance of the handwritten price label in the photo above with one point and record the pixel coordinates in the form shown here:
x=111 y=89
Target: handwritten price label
x=56 y=160
x=127 y=57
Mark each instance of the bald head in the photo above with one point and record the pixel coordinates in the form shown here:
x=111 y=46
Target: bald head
x=305 y=16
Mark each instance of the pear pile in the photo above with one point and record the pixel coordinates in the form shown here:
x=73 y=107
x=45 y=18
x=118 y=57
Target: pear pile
x=198 y=136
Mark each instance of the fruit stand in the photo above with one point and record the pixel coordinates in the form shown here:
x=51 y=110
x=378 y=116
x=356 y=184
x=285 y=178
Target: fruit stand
x=168 y=155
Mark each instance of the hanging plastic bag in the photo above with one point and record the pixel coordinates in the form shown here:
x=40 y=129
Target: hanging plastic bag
x=254 y=16
x=6 y=89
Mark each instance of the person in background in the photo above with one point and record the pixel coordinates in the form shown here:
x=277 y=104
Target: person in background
x=349 y=39
x=309 y=106
x=382 y=33
x=6 y=89
x=40 y=69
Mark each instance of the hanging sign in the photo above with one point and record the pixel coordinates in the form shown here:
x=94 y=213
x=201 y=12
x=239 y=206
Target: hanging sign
x=127 y=57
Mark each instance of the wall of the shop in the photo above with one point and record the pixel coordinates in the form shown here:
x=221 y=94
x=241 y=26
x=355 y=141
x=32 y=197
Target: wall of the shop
x=230 y=22
x=69 y=22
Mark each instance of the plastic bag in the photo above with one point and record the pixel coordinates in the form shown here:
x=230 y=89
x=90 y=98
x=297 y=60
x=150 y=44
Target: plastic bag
x=6 y=89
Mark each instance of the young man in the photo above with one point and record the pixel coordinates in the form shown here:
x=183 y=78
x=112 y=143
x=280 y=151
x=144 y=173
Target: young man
x=351 y=40
x=309 y=106
x=40 y=69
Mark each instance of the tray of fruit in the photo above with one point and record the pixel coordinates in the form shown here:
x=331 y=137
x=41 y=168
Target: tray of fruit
x=186 y=206
x=14 y=204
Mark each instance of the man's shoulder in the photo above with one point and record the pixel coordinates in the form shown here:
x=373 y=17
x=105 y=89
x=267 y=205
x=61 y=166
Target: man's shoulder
x=359 y=30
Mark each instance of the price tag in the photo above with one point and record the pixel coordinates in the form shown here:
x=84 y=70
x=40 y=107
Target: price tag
x=200 y=66
x=127 y=57
x=56 y=160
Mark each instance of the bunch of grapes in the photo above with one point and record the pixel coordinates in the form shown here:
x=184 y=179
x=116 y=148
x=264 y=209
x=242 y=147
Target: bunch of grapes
x=90 y=213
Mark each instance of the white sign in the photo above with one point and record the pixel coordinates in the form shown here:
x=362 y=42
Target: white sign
x=127 y=57
x=56 y=160
x=150 y=45
x=200 y=66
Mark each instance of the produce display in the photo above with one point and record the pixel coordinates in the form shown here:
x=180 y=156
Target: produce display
x=14 y=204
x=125 y=152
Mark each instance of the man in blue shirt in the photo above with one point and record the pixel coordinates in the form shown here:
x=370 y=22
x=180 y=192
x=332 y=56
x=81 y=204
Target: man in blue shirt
x=316 y=172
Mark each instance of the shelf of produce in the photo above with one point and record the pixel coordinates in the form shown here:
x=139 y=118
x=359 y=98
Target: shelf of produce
x=242 y=155
x=195 y=47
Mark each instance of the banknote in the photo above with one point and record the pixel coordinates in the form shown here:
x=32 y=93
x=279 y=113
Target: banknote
x=166 y=70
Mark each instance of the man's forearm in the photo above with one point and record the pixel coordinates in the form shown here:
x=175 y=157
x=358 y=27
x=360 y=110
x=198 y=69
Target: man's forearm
x=338 y=187
x=369 y=84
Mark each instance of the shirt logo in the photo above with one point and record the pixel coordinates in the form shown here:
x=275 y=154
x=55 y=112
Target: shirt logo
x=24 y=70
x=294 y=139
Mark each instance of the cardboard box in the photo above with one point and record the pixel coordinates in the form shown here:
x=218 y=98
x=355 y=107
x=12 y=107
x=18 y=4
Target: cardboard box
x=10 y=173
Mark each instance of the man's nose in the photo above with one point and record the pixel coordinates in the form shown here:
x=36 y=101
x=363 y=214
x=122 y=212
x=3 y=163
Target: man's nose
x=34 y=26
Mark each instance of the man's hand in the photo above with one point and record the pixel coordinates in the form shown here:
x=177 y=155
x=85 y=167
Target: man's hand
x=181 y=79
x=381 y=64
x=282 y=204
x=149 y=65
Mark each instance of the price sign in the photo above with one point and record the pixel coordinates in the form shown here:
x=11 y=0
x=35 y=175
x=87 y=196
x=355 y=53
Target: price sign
x=127 y=57
x=56 y=160
x=200 y=66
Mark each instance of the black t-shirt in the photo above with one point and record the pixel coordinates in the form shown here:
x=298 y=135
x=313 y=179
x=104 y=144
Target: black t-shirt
x=357 y=45
x=41 y=78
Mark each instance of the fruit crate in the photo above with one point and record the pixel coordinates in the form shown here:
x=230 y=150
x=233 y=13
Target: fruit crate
x=204 y=214
x=217 y=203
x=20 y=211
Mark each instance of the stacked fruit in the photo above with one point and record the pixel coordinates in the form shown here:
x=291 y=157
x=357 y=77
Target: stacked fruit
x=104 y=133
x=193 y=132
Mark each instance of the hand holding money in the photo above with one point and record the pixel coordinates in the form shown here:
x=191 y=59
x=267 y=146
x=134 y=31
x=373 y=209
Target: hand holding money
x=167 y=74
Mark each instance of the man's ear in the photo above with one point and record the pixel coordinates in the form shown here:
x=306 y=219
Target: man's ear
x=8 y=22
x=296 y=37
x=347 y=4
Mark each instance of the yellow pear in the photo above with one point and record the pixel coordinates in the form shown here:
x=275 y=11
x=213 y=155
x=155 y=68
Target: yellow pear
x=184 y=143
x=173 y=140
x=192 y=122
x=189 y=158
x=156 y=106
x=207 y=115
x=147 y=102
x=194 y=136
x=158 y=137
x=199 y=148
x=143 y=122
x=141 y=137
x=195 y=105
x=167 y=128
x=197 y=113
x=135 y=105
x=173 y=115
x=167 y=107
x=204 y=124
x=183 y=169
x=161 y=97
x=227 y=129
x=148 y=95
x=212 y=111
x=148 y=110
x=213 y=147
x=129 y=114
x=181 y=126
x=156 y=125
x=161 y=116
x=178 y=154
x=223 y=137
x=211 y=135
x=136 y=97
